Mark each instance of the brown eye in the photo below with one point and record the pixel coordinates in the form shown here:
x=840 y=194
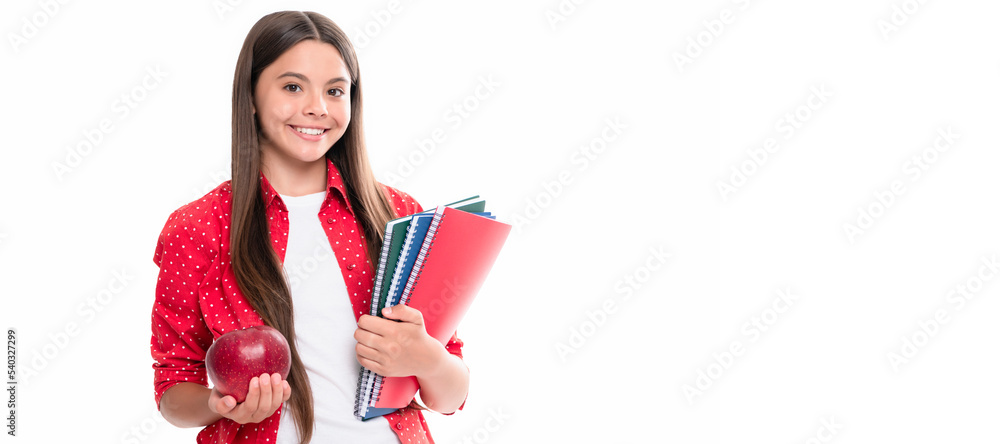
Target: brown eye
x=291 y=87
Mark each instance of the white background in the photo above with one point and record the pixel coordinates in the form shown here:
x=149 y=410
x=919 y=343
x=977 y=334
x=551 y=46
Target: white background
x=548 y=362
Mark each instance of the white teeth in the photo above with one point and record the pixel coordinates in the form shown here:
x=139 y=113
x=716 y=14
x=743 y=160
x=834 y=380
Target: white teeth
x=310 y=131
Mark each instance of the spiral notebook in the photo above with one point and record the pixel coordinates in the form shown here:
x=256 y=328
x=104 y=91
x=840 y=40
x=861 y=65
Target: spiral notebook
x=453 y=260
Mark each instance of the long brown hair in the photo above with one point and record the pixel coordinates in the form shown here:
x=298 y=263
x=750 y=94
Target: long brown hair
x=256 y=265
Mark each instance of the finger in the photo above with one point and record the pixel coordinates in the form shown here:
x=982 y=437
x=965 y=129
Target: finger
x=371 y=365
x=365 y=320
x=265 y=396
x=220 y=404
x=366 y=337
x=286 y=392
x=373 y=324
x=226 y=404
x=367 y=352
x=249 y=405
x=403 y=313
x=277 y=389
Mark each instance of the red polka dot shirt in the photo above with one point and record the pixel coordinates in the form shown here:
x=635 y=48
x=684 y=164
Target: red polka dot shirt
x=197 y=298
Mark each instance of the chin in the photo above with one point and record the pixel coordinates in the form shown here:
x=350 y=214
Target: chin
x=311 y=157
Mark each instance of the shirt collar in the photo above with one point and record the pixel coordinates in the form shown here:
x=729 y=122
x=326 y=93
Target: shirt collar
x=334 y=183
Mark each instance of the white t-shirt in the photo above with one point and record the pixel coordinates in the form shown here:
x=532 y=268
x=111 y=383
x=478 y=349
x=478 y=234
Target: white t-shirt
x=324 y=332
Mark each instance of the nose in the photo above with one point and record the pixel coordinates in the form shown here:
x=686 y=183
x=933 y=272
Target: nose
x=316 y=106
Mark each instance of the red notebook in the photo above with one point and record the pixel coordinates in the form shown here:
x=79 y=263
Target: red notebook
x=454 y=260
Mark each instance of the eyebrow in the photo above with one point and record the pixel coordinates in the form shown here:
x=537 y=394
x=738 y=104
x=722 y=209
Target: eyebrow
x=304 y=79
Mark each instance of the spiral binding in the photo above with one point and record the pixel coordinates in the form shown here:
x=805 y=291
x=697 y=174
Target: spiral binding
x=357 y=403
x=373 y=380
x=376 y=390
x=364 y=375
x=371 y=393
x=383 y=258
x=425 y=248
x=410 y=234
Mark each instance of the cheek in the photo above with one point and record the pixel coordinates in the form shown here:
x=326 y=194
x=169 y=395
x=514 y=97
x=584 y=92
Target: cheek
x=281 y=112
x=342 y=112
x=273 y=112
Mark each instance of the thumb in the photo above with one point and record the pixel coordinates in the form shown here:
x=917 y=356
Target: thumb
x=403 y=313
x=226 y=404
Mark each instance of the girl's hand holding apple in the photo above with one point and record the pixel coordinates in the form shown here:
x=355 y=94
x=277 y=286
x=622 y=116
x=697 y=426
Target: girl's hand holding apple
x=266 y=394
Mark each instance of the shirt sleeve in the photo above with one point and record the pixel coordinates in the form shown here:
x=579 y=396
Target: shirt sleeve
x=454 y=345
x=402 y=204
x=180 y=337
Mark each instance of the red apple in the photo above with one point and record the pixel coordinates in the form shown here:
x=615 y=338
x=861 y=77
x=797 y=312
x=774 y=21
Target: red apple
x=237 y=356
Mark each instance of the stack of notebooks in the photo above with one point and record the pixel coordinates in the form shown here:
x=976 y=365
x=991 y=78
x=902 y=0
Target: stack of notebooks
x=434 y=261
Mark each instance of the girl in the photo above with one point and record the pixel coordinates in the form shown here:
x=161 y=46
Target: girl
x=288 y=242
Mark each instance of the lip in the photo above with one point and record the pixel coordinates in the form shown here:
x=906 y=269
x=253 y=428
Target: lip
x=309 y=137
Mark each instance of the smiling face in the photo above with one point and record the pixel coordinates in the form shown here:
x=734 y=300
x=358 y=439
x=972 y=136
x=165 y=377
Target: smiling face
x=303 y=105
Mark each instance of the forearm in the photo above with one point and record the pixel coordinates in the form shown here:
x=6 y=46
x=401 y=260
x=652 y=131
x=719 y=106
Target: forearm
x=186 y=405
x=445 y=389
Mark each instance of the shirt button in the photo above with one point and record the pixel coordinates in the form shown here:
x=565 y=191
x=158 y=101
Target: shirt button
x=350 y=266
x=399 y=426
x=329 y=220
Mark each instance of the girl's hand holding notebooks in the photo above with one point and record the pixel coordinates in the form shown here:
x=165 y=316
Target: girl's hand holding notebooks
x=402 y=348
